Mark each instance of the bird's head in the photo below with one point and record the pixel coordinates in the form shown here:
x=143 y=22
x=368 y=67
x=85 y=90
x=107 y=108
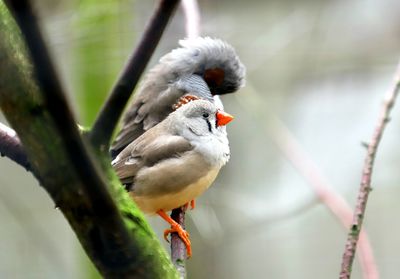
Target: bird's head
x=203 y=118
x=214 y=60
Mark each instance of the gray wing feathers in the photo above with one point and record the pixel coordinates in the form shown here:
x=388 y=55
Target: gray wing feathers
x=148 y=150
x=152 y=106
x=165 y=147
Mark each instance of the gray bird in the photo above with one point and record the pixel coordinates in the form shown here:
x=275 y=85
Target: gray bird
x=203 y=67
x=175 y=161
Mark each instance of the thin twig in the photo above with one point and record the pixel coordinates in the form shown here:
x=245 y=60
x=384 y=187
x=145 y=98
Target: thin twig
x=178 y=248
x=299 y=158
x=11 y=147
x=192 y=17
x=178 y=255
x=294 y=152
x=112 y=109
x=365 y=187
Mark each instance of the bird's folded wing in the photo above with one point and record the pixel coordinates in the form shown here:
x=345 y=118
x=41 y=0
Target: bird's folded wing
x=152 y=104
x=163 y=148
x=149 y=150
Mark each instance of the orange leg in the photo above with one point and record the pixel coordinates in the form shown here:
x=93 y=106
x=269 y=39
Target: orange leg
x=175 y=227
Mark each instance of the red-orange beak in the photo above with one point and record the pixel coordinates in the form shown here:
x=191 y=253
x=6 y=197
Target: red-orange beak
x=223 y=118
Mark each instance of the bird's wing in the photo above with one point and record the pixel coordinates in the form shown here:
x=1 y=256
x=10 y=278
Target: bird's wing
x=151 y=105
x=148 y=150
x=154 y=103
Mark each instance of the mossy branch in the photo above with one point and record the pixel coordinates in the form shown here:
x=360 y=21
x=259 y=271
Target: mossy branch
x=108 y=224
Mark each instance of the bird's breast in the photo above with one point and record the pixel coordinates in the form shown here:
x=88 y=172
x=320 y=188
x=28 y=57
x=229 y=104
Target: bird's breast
x=152 y=203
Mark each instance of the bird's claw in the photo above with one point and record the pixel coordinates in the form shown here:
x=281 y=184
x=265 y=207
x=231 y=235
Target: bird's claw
x=183 y=235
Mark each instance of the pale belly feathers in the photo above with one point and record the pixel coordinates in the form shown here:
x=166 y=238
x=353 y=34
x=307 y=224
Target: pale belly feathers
x=167 y=202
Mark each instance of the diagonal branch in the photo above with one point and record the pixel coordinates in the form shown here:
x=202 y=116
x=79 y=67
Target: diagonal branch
x=302 y=162
x=56 y=104
x=325 y=192
x=365 y=187
x=192 y=16
x=114 y=234
x=11 y=147
x=112 y=109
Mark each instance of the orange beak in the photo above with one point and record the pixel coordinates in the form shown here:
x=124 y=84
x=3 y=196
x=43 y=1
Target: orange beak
x=223 y=118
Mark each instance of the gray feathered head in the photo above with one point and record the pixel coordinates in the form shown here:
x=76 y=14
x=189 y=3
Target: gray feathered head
x=213 y=59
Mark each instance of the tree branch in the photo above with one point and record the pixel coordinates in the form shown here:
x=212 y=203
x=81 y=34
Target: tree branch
x=11 y=147
x=299 y=158
x=192 y=16
x=55 y=103
x=178 y=248
x=112 y=109
x=118 y=240
x=326 y=193
x=365 y=187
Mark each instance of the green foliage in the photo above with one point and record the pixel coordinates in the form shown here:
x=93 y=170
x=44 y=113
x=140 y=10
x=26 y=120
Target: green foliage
x=97 y=48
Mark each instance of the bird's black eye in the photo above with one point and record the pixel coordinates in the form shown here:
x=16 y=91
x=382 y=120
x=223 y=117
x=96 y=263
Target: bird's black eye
x=206 y=115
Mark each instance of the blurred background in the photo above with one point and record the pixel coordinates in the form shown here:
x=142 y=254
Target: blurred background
x=317 y=73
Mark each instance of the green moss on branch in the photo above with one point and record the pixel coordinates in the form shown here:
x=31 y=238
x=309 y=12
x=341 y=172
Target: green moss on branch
x=121 y=244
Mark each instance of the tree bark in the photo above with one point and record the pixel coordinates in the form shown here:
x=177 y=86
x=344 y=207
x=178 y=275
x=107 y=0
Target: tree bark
x=116 y=238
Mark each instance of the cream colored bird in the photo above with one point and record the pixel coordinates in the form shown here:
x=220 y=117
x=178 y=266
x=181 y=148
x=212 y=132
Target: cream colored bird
x=175 y=161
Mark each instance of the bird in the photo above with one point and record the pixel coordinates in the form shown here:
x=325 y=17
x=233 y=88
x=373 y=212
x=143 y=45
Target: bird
x=203 y=66
x=175 y=161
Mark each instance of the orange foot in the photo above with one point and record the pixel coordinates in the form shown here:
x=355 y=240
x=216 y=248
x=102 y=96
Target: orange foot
x=176 y=228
